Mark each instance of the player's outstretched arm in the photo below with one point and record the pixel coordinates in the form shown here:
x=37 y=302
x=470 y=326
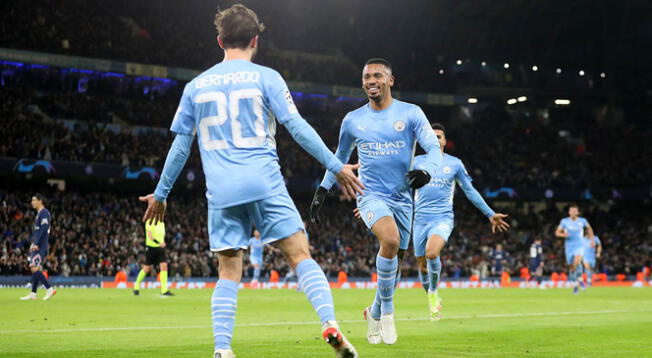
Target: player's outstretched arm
x=287 y=114
x=174 y=163
x=309 y=140
x=561 y=233
x=343 y=153
x=497 y=220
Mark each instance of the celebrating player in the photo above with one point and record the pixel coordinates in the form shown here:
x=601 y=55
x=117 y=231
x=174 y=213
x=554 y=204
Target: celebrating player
x=591 y=253
x=256 y=247
x=384 y=132
x=572 y=230
x=38 y=250
x=433 y=220
x=233 y=107
x=154 y=254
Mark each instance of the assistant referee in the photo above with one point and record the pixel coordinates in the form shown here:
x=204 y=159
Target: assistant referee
x=154 y=254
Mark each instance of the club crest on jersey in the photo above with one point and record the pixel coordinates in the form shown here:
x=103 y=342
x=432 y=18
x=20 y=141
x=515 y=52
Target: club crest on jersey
x=370 y=215
x=447 y=170
x=399 y=126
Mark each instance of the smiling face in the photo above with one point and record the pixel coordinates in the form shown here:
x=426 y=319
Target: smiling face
x=377 y=81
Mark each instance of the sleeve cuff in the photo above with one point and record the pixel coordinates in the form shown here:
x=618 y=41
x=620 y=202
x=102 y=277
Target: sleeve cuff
x=159 y=197
x=335 y=166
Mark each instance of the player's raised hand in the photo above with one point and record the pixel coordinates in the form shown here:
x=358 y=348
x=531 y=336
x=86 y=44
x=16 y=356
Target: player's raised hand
x=349 y=182
x=498 y=223
x=155 y=211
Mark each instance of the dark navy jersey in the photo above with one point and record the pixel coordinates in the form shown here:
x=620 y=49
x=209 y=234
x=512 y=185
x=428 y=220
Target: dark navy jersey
x=41 y=231
x=536 y=254
x=497 y=258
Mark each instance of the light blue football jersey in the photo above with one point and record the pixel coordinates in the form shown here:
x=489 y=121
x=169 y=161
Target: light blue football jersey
x=575 y=229
x=435 y=199
x=233 y=107
x=385 y=141
x=589 y=252
x=256 y=246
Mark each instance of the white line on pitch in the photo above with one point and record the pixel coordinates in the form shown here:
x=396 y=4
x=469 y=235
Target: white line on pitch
x=263 y=324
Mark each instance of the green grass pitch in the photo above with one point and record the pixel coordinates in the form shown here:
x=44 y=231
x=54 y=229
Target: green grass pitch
x=601 y=322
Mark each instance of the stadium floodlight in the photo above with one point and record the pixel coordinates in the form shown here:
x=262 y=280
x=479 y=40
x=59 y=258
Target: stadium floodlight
x=581 y=73
x=558 y=70
x=535 y=68
x=441 y=71
x=472 y=100
x=522 y=99
x=483 y=64
x=459 y=62
x=562 y=102
x=603 y=75
x=506 y=65
x=512 y=101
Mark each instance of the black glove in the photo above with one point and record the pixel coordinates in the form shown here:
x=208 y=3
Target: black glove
x=317 y=202
x=418 y=178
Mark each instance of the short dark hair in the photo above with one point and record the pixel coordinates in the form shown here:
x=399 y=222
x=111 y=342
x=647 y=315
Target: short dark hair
x=237 y=25
x=439 y=126
x=379 y=61
x=40 y=197
x=574 y=206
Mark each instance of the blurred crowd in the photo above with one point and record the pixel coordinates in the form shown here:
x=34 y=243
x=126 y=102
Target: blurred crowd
x=99 y=234
x=28 y=133
x=540 y=149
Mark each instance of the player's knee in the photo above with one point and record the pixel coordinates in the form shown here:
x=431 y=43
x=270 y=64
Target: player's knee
x=434 y=246
x=432 y=253
x=390 y=243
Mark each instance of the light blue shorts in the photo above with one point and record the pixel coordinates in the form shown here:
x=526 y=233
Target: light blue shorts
x=275 y=218
x=422 y=231
x=373 y=208
x=572 y=251
x=590 y=261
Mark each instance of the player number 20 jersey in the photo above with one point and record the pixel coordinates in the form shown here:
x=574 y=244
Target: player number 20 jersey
x=233 y=108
